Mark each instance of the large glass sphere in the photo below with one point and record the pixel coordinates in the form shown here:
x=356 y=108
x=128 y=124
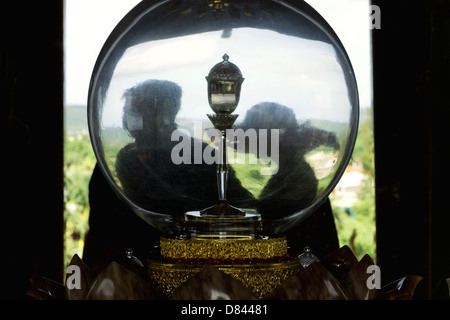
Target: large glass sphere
x=168 y=100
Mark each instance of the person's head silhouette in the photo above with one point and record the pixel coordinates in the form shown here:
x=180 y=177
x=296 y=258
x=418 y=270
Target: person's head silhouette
x=150 y=110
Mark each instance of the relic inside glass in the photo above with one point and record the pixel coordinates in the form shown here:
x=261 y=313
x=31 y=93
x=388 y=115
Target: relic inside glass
x=247 y=154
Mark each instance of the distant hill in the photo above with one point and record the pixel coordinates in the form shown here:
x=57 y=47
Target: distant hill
x=75 y=119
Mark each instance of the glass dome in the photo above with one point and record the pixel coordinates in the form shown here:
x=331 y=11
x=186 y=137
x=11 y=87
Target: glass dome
x=223 y=117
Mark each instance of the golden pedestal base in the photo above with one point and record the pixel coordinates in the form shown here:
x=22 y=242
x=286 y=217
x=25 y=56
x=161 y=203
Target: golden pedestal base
x=261 y=265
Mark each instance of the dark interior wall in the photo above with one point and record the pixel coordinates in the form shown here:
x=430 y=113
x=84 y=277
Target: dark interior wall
x=31 y=61
x=439 y=222
x=411 y=68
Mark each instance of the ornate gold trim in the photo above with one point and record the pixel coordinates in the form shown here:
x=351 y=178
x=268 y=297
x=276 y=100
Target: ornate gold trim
x=223 y=249
x=261 y=278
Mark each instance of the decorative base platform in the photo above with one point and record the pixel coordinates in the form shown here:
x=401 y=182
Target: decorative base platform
x=260 y=278
x=338 y=276
x=261 y=265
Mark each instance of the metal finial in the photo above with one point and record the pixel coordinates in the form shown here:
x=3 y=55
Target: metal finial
x=130 y=256
x=307 y=258
x=129 y=253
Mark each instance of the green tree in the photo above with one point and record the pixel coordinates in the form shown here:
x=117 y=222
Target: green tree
x=79 y=161
x=359 y=231
x=364 y=145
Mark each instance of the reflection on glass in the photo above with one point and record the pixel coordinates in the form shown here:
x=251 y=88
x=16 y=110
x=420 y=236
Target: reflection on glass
x=292 y=135
x=151 y=179
x=223 y=98
x=295 y=184
x=298 y=73
x=144 y=167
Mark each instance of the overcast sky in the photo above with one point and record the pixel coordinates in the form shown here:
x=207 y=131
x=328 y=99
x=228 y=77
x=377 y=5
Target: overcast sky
x=88 y=23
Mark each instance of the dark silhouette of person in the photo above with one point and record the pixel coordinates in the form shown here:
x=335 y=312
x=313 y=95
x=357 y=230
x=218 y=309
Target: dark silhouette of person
x=294 y=186
x=145 y=168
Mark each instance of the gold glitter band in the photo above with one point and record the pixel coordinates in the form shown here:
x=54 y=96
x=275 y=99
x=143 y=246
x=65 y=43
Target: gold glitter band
x=261 y=278
x=223 y=249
